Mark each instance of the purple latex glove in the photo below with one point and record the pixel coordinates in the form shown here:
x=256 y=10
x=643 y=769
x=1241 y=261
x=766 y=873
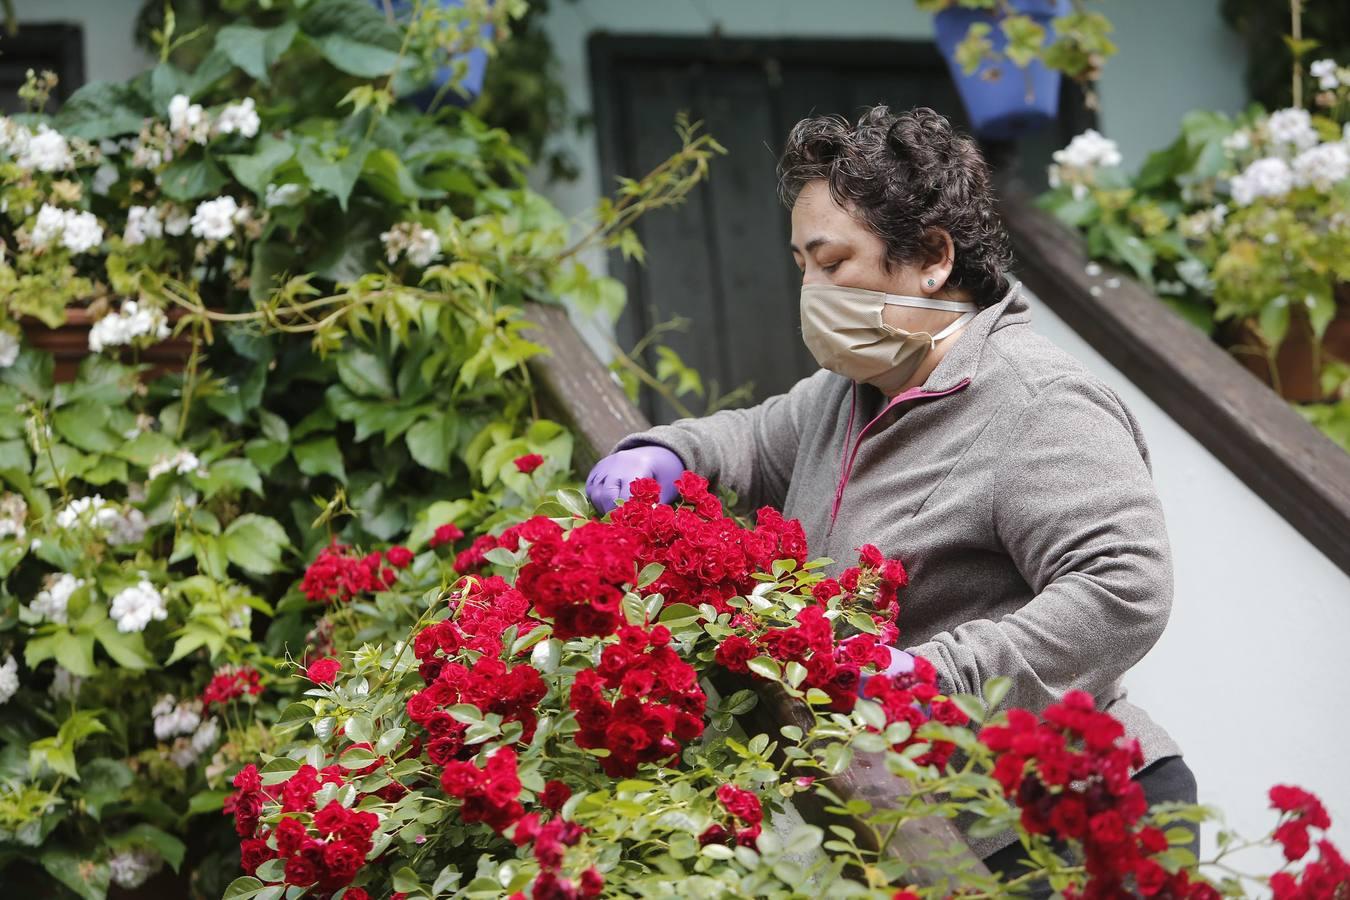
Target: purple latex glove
x=902 y=663
x=612 y=477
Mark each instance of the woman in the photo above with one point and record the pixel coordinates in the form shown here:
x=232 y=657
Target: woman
x=941 y=428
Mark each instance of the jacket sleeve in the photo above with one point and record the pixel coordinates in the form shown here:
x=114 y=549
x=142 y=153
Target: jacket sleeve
x=1075 y=508
x=751 y=451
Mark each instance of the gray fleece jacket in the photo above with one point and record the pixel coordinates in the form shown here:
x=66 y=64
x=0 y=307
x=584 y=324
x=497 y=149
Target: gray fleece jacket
x=1013 y=484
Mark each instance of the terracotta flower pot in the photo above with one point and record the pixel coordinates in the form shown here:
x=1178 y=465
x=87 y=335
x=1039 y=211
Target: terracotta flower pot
x=69 y=344
x=1297 y=365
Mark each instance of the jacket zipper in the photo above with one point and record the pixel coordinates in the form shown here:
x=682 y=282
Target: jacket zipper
x=847 y=461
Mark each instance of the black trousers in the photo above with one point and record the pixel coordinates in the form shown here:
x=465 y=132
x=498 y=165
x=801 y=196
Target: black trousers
x=1168 y=778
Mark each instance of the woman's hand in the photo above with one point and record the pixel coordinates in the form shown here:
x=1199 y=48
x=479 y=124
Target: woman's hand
x=611 y=478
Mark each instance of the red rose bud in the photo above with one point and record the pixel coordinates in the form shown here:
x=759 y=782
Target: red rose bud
x=399 y=557
x=529 y=462
x=323 y=671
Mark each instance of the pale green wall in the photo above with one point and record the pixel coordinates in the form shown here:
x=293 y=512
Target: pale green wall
x=109 y=51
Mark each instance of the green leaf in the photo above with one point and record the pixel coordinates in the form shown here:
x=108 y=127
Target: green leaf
x=163 y=843
x=1136 y=254
x=255 y=170
x=127 y=650
x=254 y=543
x=406 y=880
x=207 y=802
x=272 y=870
x=1274 y=321
x=102 y=782
x=192 y=179
x=239 y=474
x=245 y=887
x=432 y=441
x=335 y=168
x=86 y=878
x=995 y=689
x=320 y=456
x=677 y=615
x=102 y=109
x=766 y=667
x=365 y=374
x=85 y=425
x=255 y=50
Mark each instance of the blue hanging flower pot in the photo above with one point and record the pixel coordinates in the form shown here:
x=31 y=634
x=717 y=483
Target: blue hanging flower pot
x=476 y=60
x=1016 y=101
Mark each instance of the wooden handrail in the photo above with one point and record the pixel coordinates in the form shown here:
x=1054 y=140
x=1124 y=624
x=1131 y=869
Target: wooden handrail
x=1292 y=466
x=578 y=391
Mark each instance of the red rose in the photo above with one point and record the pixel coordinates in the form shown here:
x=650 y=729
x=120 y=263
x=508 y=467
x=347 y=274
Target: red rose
x=300 y=870
x=253 y=853
x=290 y=835
x=248 y=779
x=445 y=534
x=323 y=671
x=555 y=795
x=870 y=556
x=356 y=893
x=592 y=882
x=331 y=818
x=528 y=463
x=343 y=862
x=399 y=557
x=734 y=653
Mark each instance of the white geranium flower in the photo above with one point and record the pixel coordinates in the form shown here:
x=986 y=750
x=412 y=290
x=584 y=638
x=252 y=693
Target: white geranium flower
x=204 y=738
x=1089 y=150
x=1324 y=70
x=143 y=223
x=183 y=462
x=51 y=221
x=93 y=511
x=45 y=150
x=132 y=321
x=418 y=243
x=1238 y=141
x=133 y=608
x=214 y=219
x=241 y=118
x=173 y=718
x=9 y=679
x=188 y=120
x=51 y=602
x=1292 y=128
x=82 y=233
x=128 y=529
x=1322 y=166
x=131 y=868
x=9 y=349
x=1267 y=177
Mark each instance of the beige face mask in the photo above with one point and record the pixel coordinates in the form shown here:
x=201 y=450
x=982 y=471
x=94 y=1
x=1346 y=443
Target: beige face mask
x=843 y=329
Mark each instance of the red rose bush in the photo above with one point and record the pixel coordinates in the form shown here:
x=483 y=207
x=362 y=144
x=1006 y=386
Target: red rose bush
x=563 y=721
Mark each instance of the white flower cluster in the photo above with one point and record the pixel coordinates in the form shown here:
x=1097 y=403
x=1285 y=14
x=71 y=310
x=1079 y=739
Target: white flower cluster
x=173 y=718
x=1077 y=163
x=419 y=243
x=184 y=462
x=1269 y=176
x=239 y=118
x=1291 y=128
x=44 y=150
x=51 y=601
x=132 y=868
x=9 y=679
x=1089 y=150
x=9 y=349
x=143 y=223
x=187 y=750
x=189 y=122
x=1196 y=274
x=13 y=515
x=77 y=231
x=133 y=608
x=1329 y=76
x=214 y=220
x=1322 y=166
x=132 y=321
x=95 y=512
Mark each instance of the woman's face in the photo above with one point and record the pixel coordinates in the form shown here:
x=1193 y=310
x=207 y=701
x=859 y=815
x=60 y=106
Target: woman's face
x=830 y=246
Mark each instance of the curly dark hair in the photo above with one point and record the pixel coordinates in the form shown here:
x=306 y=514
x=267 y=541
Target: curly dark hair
x=904 y=176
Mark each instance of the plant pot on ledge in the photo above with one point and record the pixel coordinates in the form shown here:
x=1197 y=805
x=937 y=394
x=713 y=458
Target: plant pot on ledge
x=1297 y=365
x=69 y=345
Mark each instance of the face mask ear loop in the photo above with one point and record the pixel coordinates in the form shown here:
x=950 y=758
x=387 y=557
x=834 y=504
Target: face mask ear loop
x=952 y=327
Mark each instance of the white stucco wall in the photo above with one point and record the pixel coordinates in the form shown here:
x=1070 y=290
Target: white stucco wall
x=110 y=53
x=1250 y=675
